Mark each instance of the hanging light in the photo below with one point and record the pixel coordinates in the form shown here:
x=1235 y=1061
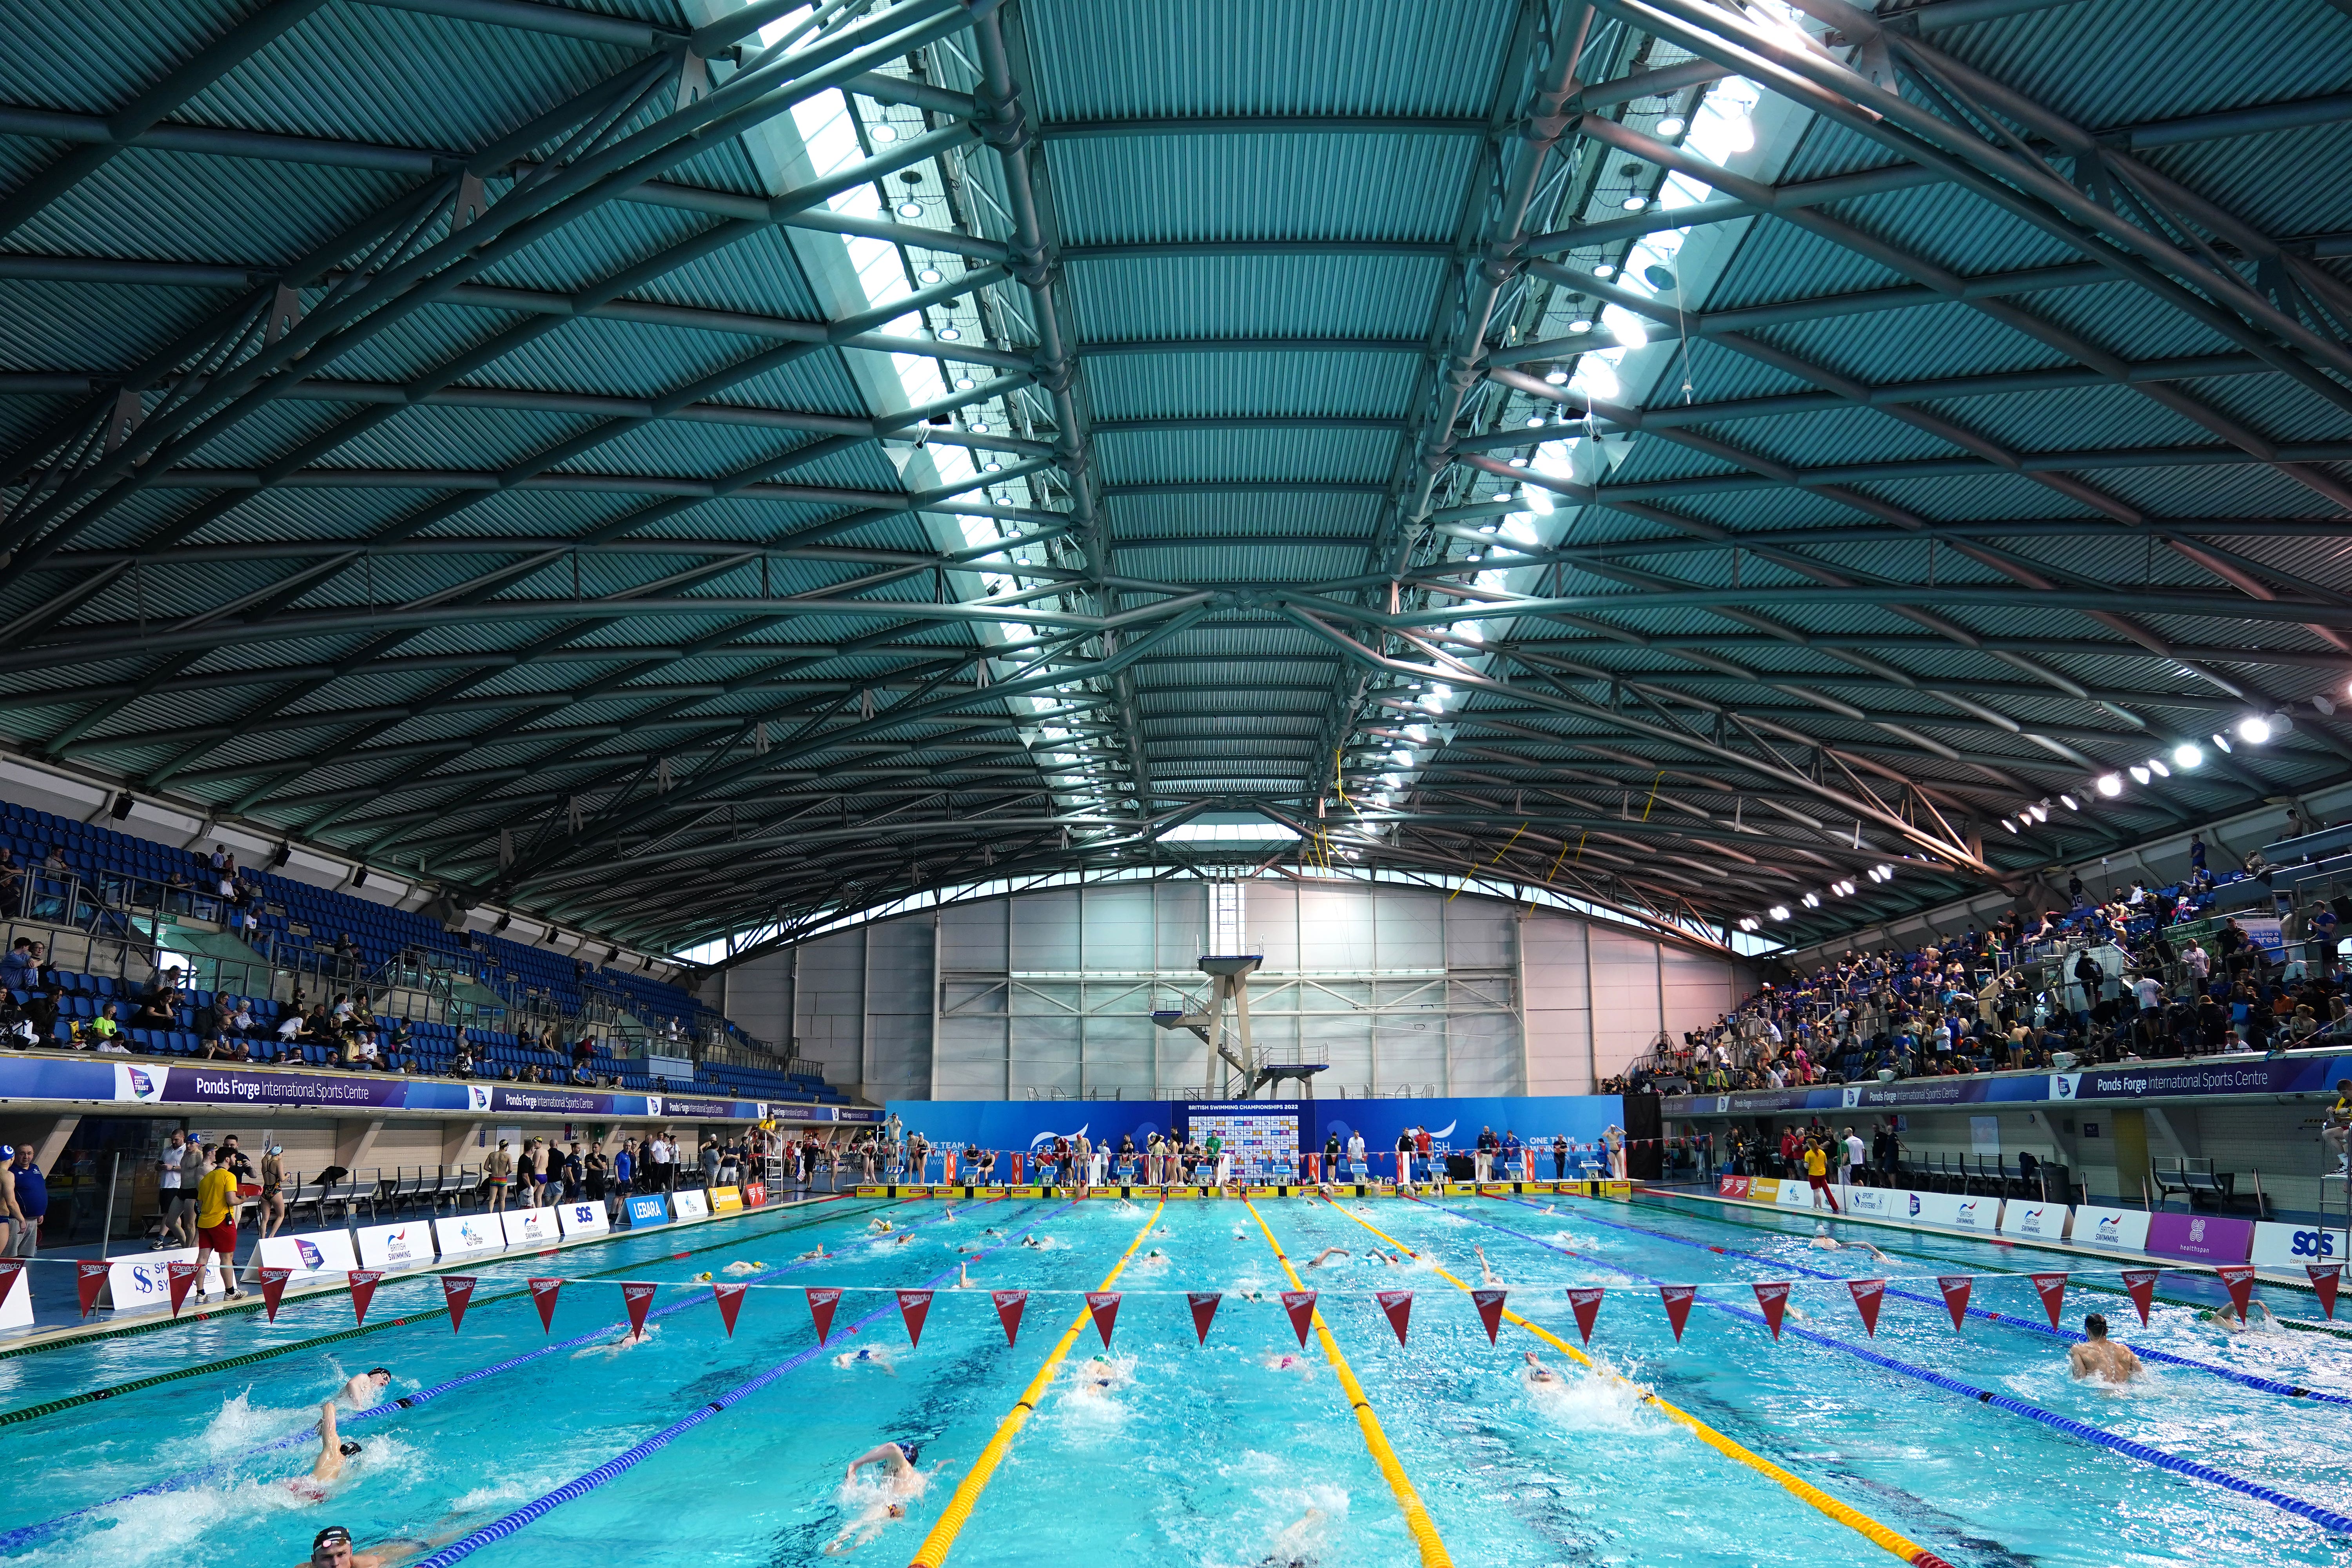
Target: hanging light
x=2041 y=810
x=2158 y=769
x=1604 y=270
x=1812 y=901
x=1672 y=125
x=1556 y=376
x=2008 y=823
x=2111 y=784
x=1579 y=327
x=1779 y=911
x=2138 y=773
x=992 y=468
x=884 y=133
x=2186 y=756
x=911 y=209
x=1636 y=204
x=1886 y=873
x=2221 y=741
x=2253 y=728
x=2068 y=801
x=963 y=383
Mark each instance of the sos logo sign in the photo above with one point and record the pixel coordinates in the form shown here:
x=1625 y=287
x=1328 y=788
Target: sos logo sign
x=2318 y=1244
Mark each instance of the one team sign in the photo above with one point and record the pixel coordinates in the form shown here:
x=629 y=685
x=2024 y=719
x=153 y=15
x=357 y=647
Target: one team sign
x=408 y=1246
x=309 y=1255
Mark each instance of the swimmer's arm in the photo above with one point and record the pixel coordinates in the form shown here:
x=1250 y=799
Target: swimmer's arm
x=887 y=1455
x=331 y=1452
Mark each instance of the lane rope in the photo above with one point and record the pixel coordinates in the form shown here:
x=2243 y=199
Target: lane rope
x=1416 y=1517
x=952 y=1518
x=1877 y=1534
x=428 y=1315
x=26 y=1534
x=2130 y=1447
x=538 y=1507
x=2007 y=1320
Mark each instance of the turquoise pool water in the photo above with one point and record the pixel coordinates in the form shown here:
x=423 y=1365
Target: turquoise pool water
x=1232 y=1454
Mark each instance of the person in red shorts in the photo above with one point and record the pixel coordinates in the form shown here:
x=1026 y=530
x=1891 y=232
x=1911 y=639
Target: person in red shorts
x=216 y=1223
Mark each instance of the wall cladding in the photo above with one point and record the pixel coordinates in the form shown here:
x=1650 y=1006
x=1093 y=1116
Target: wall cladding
x=1399 y=990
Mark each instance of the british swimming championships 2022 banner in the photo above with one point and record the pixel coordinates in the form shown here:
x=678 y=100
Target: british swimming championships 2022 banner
x=1453 y=1124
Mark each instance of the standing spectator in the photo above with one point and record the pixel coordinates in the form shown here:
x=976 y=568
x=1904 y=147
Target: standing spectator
x=2196 y=852
x=29 y=1202
x=2319 y=934
x=498 y=1172
x=216 y=1223
x=710 y=1163
x=624 y=1164
x=182 y=1167
x=1855 y=1170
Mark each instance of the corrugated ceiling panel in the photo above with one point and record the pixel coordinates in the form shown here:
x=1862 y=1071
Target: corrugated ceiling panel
x=1131 y=190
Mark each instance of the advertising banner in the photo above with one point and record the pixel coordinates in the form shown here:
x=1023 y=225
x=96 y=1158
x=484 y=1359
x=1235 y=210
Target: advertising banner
x=648 y=1209
x=468 y=1236
x=691 y=1205
x=2110 y=1230
x=1959 y=1211
x=180 y=1083
x=1763 y=1189
x=2205 y=1238
x=675 y=1107
x=312 y=1254
x=2292 y=1248
x=1796 y=1193
x=2282 y=1074
x=2036 y=1220
x=1731 y=1186
x=584 y=1218
x=530 y=1227
x=408 y=1246
x=755 y=1194
x=135 y=1282
x=727 y=1200
x=1880 y=1203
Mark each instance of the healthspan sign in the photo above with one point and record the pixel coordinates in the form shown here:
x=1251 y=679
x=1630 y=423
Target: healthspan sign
x=2137 y=1081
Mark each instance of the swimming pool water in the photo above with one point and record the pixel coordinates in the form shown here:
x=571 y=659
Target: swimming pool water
x=1232 y=1454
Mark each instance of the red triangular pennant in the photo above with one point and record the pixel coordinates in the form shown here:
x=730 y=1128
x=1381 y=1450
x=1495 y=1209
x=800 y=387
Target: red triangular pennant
x=1490 y=1311
x=731 y=1302
x=1104 y=1305
x=2325 y=1278
x=2240 y=1278
x=1301 y=1305
x=542 y=1296
x=457 y=1290
x=822 y=1301
x=89 y=1279
x=1398 y=1305
x=1678 y=1300
x=637 y=1296
x=1009 y=1307
x=273 y=1290
x=362 y=1289
x=9 y=1268
x=1773 y=1297
x=2054 y=1294
x=1585 y=1301
x=1204 y=1310
x=2140 y=1284
x=181 y=1275
x=914 y=1306
x=1956 y=1295
x=1869 y=1295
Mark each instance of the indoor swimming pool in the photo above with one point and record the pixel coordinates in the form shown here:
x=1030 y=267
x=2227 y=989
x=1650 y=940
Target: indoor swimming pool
x=523 y=1444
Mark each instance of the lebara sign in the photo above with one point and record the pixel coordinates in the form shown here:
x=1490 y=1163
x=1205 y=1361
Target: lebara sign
x=651 y=1208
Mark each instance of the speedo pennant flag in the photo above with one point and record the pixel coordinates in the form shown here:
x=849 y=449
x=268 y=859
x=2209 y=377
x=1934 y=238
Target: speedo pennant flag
x=731 y=1302
x=363 y=1283
x=638 y=1297
x=2054 y=1294
x=914 y=1306
x=89 y=1279
x=1204 y=1310
x=2324 y=1278
x=2239 y=1278
x=1956 y=1288
x=456 y=1290
x=822 y=1301
x=1584 y=1300
x=273 y=1290
x=1009 y=1307
x=1490 y=1310
x=1398 y=1305
x=1772 y=1296
x=1678 y=1300
x=180 y=1275
x=543 y=1292
x=1104 y=1305
x=1301 y=1305
x=2140 y=1284
x=1869 y=1295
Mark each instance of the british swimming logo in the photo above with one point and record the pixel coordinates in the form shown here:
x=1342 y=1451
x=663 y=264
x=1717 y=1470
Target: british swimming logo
x=310 y=1254
x=1914 y=1205
x=2314 y=1244
x=2110 y=1231
x=2031 y=1221
x=1965 y=1213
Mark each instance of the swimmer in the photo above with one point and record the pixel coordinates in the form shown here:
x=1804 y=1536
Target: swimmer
x=1538 y=1375
x=1291 y=1547
x=704 y=1277
x=1486 y=1269
x=1322 y=1259
x=963 y=1280
x=2258 y=1319
x=992 y=1230
x=365 y=1389
x=328 y=1466
x=2100 y=1357
x=1033 y=1242
x=629 y=1341
x=879 y=1226
x=900 y=1481
x=816 y=1255
x=1283 y=1361
x=741 y=1267
x=850 y=1359
x=1826 y=1242
x=1155 y=1259
x=1098 y=1377
x=903 y=1241
x=332 y=1547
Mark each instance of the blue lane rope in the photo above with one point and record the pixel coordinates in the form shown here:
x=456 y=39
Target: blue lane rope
x=578 y=1487
x=26 y=1534
x=2197 y=1471
x=2012 y=1321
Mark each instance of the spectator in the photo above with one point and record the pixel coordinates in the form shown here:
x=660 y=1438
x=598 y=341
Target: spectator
x=178 y=1167
x=222 y=1048
x=104 y=1026
x=155 y=1012
x=710 y=1163
x=42 y=1010
x=2319 y=937
x=18 y=971
x=461 y=1063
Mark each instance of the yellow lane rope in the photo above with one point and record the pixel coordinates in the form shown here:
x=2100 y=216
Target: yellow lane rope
x=1911 y=1551
x=1416 y=1518
x=952 y=1519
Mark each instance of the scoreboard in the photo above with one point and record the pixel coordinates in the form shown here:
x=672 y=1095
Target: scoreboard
x=1258 y=1133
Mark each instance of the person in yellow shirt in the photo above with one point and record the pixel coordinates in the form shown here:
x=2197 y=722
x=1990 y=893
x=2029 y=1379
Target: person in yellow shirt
x=216 y=1223
x=1817 y=1173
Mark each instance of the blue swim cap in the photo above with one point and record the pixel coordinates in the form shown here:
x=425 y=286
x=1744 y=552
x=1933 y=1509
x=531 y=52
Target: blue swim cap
x=913 y=1451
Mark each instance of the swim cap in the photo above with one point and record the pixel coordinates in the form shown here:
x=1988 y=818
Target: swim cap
x=913 y=1451
x=333 y=1535
x=379 y=1371
x=349 y=1447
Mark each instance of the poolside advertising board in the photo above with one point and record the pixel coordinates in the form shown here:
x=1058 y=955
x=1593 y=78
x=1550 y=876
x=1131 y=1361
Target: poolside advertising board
x=2036 y=1220
x=648 y=1209
x=727 y=1200
x=1958 y=1211
x=691 y=1205
x=755 y=1194
x=309 y=1255
x=2200 y=1238
x=1796 y=1195
x=2290 y=1248
x=586 y=1219
x=2228 y=1075
x=1876 y=1202
x=2111 y=1230
x=16 y=1306
x=530 y=1227
x=468 y=1236
x=142 y=1281
x=404 y=1246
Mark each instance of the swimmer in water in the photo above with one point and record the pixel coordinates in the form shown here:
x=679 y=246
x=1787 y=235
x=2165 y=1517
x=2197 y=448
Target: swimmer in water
x=1032 y=1242
x=2101 y=1358
x=1323 y=1259
x=850 y=1359
x=880 y=1227
x=817 y=1255
x=1826 y=1242
x=629 y=1341
x=1537 y=1375
x=1100 y=1377
x=2258 y=1319
x=1283 y=1361
x=365 y=1389
x=332 y=1547
x=741 y=1267
x=903 y=1240
x=328 y=1466
x=963 y=1280
x=1155 y=1259
x=902 y=1482
x=1486 y=1269
x=992 y=1230
x=1291 y=1548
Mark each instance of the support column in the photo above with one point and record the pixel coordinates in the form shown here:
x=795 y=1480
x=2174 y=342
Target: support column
x=353 y=1139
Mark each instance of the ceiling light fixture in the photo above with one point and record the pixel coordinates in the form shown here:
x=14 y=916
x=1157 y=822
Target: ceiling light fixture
x=1672 y=125
x=994 y=467
x=928 y=274
x=884 y=133
x=1779 y=911
x=2008 y=823
x=2068 y=802
x=1636 y=204
x=963 y=383
x=1556 y=376
x=949 y=334
x=2110 y=784
x=911 y=209
x=1812 y=901
x=2253 y=728
x=2221 y=741
x=1604 y=270
x=2186 y=756
x=2138 y=773
x=2158 y=769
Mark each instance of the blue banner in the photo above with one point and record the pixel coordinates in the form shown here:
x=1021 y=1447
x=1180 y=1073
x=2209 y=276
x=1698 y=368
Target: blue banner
x=649 y=1210
x=2212 y=1076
